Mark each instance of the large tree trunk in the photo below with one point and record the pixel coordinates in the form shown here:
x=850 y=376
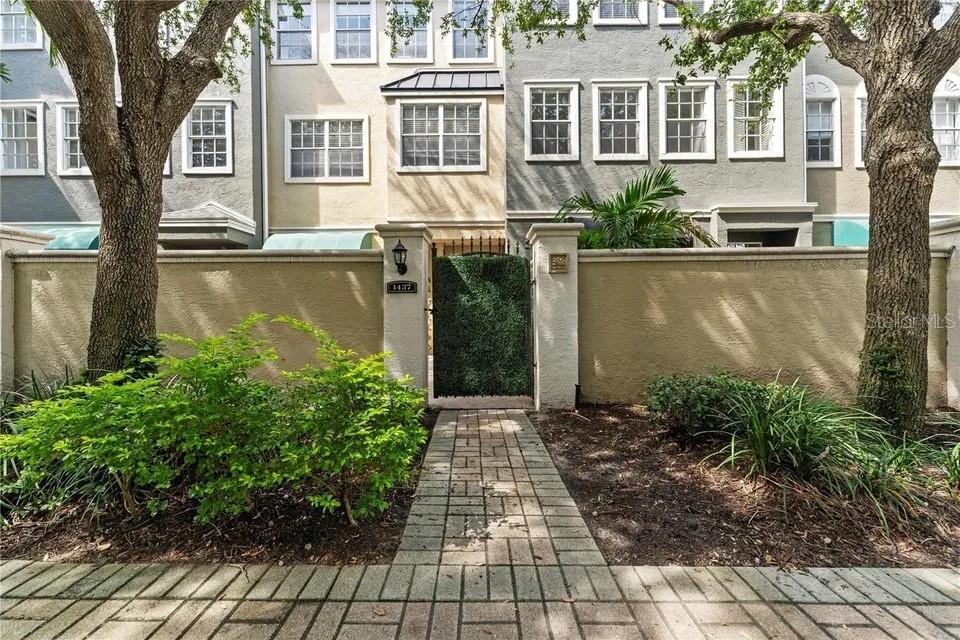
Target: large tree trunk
x=902 y=161
x=125 y=299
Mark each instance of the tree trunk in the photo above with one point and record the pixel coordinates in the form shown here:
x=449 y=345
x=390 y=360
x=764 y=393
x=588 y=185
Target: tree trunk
x=125 y=299
x=902 y=161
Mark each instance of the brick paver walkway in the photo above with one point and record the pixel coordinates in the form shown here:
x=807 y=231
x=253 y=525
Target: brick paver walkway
x=494 y=549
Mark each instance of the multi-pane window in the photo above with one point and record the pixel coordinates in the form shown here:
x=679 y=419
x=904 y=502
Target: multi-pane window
x=71 y=159
x=207 y=139
x=620 y=12
x=566 y=8
x=861 y=130
x=754 y=128
x=819 y=120
x=418 y=46
x=294 y=36
x=688 y=121
x=353 y=22
x=466 y=16
x=321 y=150
x=946 y=128
x=17 y=29
x=21 y=132
x=620 y=122
x=446 y=135
x=552 y=126
x=670 y=15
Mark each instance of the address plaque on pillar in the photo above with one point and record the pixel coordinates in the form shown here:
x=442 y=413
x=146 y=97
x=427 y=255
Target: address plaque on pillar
x=402 y=286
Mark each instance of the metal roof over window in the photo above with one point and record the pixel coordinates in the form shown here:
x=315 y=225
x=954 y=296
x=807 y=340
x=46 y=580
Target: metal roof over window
x=434 y=81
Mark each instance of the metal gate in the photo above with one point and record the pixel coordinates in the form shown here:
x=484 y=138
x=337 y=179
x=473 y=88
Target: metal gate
x=481 y=323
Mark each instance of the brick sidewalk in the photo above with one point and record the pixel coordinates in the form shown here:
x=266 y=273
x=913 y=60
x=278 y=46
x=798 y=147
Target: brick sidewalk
x=494 y=549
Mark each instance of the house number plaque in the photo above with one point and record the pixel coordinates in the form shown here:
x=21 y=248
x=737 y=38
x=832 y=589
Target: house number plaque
x=558 y=262
x=401 y=286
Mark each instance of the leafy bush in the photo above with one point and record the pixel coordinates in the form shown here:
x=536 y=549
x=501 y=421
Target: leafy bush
x=205 y=427
x=697 y=405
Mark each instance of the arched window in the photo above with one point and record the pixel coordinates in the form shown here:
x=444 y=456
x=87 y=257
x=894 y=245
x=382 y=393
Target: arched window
x=946 y=120
x=822 y=122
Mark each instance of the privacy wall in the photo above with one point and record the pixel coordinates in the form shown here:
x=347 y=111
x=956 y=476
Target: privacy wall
x=203 y=294
x=755 y=312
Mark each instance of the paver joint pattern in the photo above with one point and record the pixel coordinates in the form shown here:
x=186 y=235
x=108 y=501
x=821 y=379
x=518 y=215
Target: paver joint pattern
x=494 y=549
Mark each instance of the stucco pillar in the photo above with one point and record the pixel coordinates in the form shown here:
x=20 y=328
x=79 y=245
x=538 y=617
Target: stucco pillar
x=12 y=239
x=405 y=300
x=947 y=234
x=555 y=314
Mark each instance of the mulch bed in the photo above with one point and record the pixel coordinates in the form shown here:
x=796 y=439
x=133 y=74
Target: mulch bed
x=281 y=528
x=650 y=500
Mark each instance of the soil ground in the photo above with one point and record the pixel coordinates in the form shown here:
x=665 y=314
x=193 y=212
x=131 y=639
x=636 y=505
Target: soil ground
x=650 y=500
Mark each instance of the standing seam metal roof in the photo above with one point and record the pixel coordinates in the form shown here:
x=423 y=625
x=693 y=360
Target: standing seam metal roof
x=448 y=80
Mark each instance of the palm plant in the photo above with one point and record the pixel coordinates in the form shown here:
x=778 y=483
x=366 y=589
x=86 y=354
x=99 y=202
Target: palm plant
x=636 y=218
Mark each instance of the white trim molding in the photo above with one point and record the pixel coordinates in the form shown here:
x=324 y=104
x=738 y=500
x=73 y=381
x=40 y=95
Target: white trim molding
x=454 y=60
x=374 y=36
x=186 y=166
x=573 y=86
x=663 y=19
x=326 y=119
x=710 y=108
x=640 y=86
x=641 y=19
x=859 y=123
x=819 y=88
x=431 y=36
x=62 y=168
x=441 y=167
x=36 y=45
x=775 y=141
x=38 y=106
x=314 y=57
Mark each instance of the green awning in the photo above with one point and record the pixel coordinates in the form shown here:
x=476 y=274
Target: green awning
x=72 y=238
x=321 y=240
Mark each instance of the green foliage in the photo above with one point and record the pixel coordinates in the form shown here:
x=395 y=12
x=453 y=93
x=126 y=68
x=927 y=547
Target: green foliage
x=886 y=387
x=481 y=316
x=776 y=430
x=636 y=218
x=203 y=426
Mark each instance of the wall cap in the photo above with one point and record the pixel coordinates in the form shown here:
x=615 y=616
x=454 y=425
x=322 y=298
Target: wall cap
x=395 y=229
x=796 y=207
x=185 y=256
x=741 y=254
x=945 y=226
x=24 y=235
x=554 y=230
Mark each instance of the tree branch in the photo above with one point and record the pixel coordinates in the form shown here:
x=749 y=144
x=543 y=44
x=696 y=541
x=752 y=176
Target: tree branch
x=943 y=48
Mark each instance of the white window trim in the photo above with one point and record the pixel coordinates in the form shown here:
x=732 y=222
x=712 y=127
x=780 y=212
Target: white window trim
x=168 y=163
x=776 y=110
x=944 y=90
x=711 y=107
x=314 y=58
x=663 y=19
x=41 y=138
x=574 y=87
x=26 y=46
x=430 y=39
x=482 y=167
x=453 y=61
x=859 y=96
x=185 y=167
x=62 y=169
x=326 y=117
x=643 y=16
x=374 y=37
x=572 y=16
x=833 y=94
x=643 y=142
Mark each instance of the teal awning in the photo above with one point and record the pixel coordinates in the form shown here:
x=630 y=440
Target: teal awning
x=321 y=240
x=67 y=238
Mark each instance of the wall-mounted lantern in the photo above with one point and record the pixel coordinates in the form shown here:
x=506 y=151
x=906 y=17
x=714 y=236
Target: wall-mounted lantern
x=400 y=258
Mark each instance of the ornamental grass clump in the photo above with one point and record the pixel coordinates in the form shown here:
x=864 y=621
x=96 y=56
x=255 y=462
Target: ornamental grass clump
x=206 y=431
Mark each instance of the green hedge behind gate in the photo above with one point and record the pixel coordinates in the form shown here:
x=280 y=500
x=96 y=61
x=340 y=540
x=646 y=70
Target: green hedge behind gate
x=481 y=316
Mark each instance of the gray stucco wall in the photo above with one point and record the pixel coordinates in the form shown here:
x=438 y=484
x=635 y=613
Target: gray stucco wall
x=52 y=198
x=632 y=52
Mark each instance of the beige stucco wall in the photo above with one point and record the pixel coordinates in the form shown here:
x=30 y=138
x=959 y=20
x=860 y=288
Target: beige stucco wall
x=845 y=190
x=202 y=296
x=801 y=317
x=327 y=89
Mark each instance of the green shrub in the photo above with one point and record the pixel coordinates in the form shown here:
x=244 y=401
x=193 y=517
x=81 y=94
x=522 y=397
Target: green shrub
x=204 y=427
x=698 y=405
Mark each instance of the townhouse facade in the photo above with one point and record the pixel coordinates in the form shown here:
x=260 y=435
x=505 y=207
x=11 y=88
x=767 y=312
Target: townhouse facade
x=339 y=128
